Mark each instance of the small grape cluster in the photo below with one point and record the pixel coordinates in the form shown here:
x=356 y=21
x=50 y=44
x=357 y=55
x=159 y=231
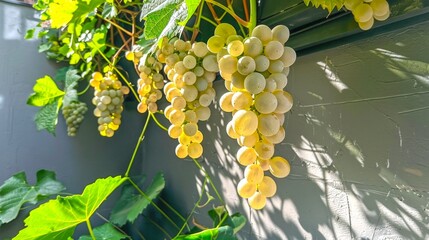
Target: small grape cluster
x=191 y=70
x=365 y=11
x=108 y=99
x=74 y=113
x=255 y=71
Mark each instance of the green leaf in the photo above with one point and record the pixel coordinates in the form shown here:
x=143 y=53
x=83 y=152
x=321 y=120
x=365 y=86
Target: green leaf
x=47 y=117
x=16 y=191
x=109 y=11
x=57 y=219
x=60 y=76
x=239 y=222
x=156 y=21
x=191 y=6
x=329 y=5
x=221 y=233
x=131 y=204
x=220 y=214
x=105 y=232
x=30 y=33
x=72 y=77
x=45 y=92
x=63 y=12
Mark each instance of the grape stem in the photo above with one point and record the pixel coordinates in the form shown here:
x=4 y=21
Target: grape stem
x=140 y=139
x=213 y=12
x=253 y=16
x=210 y=180
x=91 y=232
x=116 y=25
x=158 y=123
x=230 y=12
x=209 y=21
x=84 y=91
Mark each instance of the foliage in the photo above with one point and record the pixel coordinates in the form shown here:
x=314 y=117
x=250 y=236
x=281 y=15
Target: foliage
x=15 y=192
x=329 y=5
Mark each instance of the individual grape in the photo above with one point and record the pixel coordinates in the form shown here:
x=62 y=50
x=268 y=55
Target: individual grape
x=226 y=102
x=225 y=30
x=280 y=33
x=264 y=150
x=352 y=4
x=262 y=63
x=265 y=164
x=235 y=48
x=246 y=189
x=278 y=137
x=279 y=167
x=273 y=50
x=257 y=201
x=268 y=124
x=245 y=122
x=246 y=65
x=265 y=102
x=289 y=56
x=241 y=100
x=254 y=173
x=215 y=43
x=233 y=38
x=181 y=151
x=195 y=150
x=248 y=141
x=382 y=17
x=198 y=137
x=189 y=62
x=237 y=80
x=199 y=49
x=284 y=102
x=363 y=12
x=379 y=7
x=74 y=113
x=203 y=113
x=263 y=33
x=253 y=47
x=174 y=131
x=267 y=187
x=246 y=156
x=366 y=25
x=230 y=130
x=210 y=63
x=190 y=129
x=228 y=64
x=254 y=83
x=280 y=79
x=176 y=117
x=276 y=66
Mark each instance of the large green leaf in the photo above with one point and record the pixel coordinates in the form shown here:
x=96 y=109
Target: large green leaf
x=329 y=5
x=191 y=6
x=47 y=116
x=58 y=218
x=131 y=203
x=72 y=77
x=45 y=92
x=63 y=12
x=105 y=232
x=220 y=215
x=16 y=191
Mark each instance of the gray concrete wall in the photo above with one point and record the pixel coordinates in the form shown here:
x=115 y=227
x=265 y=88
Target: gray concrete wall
x=357 y=140
x=77 y=161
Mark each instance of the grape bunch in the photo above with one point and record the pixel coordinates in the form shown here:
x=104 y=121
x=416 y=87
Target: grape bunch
x=74 y=113
x=108 y=99
x=255 y=71
x=191 y=70
x=365 y=11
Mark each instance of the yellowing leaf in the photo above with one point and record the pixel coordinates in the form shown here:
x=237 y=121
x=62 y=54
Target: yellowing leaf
x=329 y=5
x=45 y=92
x=58 y=218
x=61 y=12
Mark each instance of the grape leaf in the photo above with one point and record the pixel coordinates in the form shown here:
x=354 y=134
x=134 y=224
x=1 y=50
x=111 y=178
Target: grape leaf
x=16 y=191
x=329 y=5
x=63 y=12
x=58 y=218
x=45 y=92
x=221 y=215
x=191 y=6
x=71 y=79
x=105 y=231
x=109 y=11
x=131 y=203
x=47 y=116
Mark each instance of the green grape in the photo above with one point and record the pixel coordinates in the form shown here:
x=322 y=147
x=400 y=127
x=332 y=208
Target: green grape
x=74 y=113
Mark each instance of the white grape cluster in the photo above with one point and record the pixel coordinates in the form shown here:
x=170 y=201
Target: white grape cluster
x=255 y=71
x=108 y=99
x=150 y=84
x=365 y=11
x=73 y=113
x=191 y=70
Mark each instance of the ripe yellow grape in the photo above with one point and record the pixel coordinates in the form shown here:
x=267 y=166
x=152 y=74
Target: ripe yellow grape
x=210 y=63
x=190 y=129
x=363 y=12
x=141 y=107
x=181 y=151
x=215 y=43
x=288 y=57
x=191 y=116
x=189 y=78
x=201 y=84
x=262 y=63
x=237 y=80
x=273 y=50
x=205 y=100
x=189 y=92
x=265 y=164
x=176 y=117
x=167 y=111
x=203 y=113
x=268 y=124
x=246 y=65
x=184 y=139
x=276 y=138
x=198 y=137
x=152 y=107
x=352 y=4
x=246 y=156
x=225 y=102
x=366 y=25
x=178 y=103
x=270 y=84
x=264 y=150
x=267 y=187
x=253 y=47
x=254 y=173
x=265 y=102
x=245 y=189
x=195 y=150
x=248 y=141
x=257 y=201
x=382 y=17
x=242 y=100
x=279 y=167
x=189 y=62
x=245 y=122
x=379 y=7
x=174 y=131
x=280 y=33
x=281 y=80
x=235 y=48
x=254 y=83
x=225 y=30
x=180 y=68
x=228 y=64
x=234 y=37
x=263 y=32
x=284 y=101
x=230 y=130
x=199 y=49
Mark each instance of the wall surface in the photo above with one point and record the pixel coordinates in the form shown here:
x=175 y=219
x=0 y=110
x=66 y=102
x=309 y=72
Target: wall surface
x=77 y=161
x=357 y=140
